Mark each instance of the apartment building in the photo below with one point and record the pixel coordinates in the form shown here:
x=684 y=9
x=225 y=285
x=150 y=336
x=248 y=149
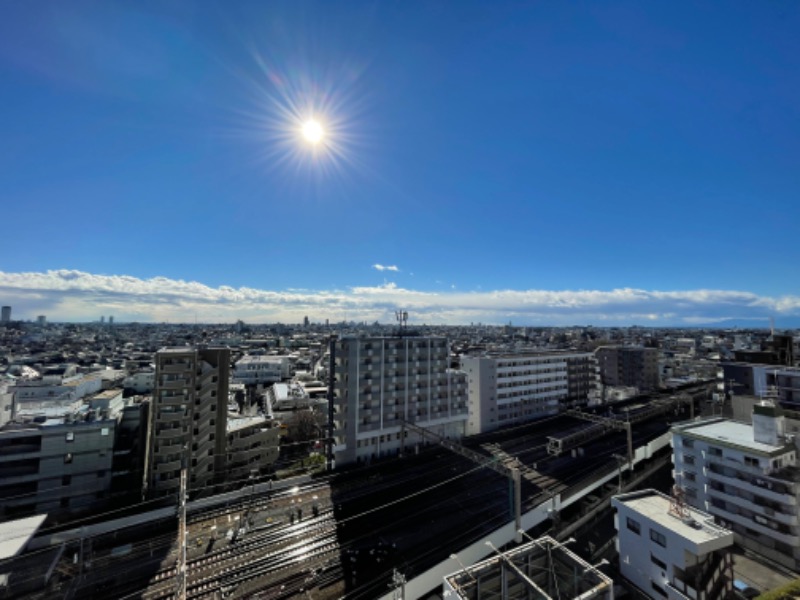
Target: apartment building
x=669 y=550
x=56 y=465
x=509 y=389
x=747 y=477
x=628 y=366
x=188 y=419
x=379 y=382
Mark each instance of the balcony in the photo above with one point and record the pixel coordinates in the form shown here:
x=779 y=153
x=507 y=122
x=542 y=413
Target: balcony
x=762 y=486
x=171 y=417
x=167 y=467
x=175 y=368
x=174 y=433
x=786 y=537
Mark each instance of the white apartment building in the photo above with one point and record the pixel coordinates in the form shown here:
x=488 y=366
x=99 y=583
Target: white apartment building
x=252 y=370
x=669 y=550
x=747 y=477
x=380 y=382
x=505 y=390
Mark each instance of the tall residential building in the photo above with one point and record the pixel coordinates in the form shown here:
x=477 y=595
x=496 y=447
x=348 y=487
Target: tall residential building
x=188 y=419
x=634 y=366
x=669 y=550
x=747 y=477
x=378 y=382
x=5 y=315
x=510 y=389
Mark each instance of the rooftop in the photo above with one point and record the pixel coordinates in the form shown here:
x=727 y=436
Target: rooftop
x=726 y=433
x=14 y=535
x=696 y=525
x=237 y=423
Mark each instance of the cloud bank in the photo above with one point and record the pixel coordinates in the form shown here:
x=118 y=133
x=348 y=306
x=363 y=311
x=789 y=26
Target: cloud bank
x=66 y=295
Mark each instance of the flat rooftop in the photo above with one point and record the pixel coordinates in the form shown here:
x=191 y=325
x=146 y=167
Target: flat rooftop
x=697 y=526
x=727 y=433
x=236 y=423
x=14 y=535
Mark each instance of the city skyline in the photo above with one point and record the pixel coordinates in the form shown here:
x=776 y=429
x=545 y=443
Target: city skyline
x=541 y=164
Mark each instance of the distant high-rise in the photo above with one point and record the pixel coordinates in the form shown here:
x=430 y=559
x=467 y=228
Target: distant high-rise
x=102 y=320
x=41 y=320
x=188 y=419
x=305 y=321
x=111 y=320
x=6 y=314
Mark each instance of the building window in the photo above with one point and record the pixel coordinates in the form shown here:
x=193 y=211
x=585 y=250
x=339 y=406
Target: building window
x=104 y=431
x=714 y=452
x=633 y=526
x=68 y=458
x=688 y=459
x=658 y=562
x=687 y=443
x=70 y=436
x=657 y=588
x=750 y=461
x=658 y=538
x=66 y=480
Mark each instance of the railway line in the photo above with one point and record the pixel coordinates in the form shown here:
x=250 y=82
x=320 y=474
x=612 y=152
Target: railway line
x=344 y=535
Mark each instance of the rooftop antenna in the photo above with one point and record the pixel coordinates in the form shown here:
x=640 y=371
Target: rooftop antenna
x=772 y=326
x=677 y=503
x=402 y=321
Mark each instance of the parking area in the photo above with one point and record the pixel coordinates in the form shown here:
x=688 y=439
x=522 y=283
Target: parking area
x=758 y=572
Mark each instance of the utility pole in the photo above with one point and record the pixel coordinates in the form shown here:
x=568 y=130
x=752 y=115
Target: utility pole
x=398 y=585
x=181 y=570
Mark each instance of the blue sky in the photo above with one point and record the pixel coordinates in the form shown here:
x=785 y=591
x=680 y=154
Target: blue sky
x=642 y=153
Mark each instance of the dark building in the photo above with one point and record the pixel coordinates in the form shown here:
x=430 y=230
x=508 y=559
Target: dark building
x=628 y=366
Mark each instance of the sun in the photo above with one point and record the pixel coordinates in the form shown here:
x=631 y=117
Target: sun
x=312 y=131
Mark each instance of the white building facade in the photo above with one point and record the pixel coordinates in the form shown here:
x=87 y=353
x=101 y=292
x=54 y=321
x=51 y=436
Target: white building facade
x=253 y=370
x=508 y=390
x=747 y=477
x=671 y=551
x=380 y=382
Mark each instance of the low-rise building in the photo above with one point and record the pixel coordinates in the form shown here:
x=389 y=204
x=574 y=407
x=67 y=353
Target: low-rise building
x=668 y=550
x=259 y=369
x=56 y=464
x=253 y=446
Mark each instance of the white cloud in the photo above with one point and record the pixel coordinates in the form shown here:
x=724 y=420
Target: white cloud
x=386 y=268
x=76 y=295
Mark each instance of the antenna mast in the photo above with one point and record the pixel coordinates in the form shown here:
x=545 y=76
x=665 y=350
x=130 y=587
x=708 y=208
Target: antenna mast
x=402 y=321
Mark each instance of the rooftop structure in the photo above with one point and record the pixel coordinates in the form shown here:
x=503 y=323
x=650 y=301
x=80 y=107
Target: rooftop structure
x=542 y=569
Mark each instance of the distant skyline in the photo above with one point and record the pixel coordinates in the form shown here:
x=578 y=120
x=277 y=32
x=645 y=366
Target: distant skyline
x=540 y=163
